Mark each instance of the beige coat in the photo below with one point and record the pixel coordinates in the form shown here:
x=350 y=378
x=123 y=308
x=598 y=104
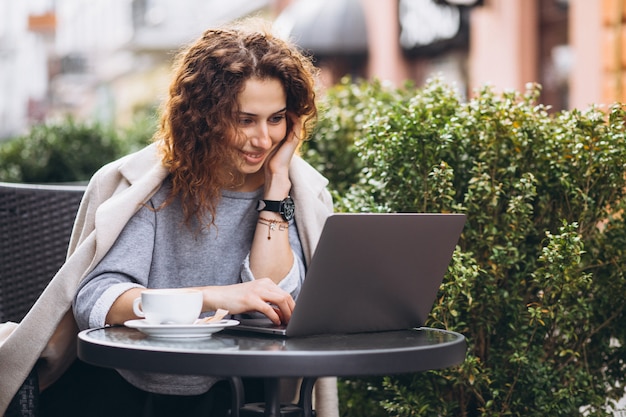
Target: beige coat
x=48 y=332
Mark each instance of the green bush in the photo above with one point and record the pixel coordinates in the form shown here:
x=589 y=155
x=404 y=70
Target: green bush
x=536 y=283
x=67 y=151
x=344 y=111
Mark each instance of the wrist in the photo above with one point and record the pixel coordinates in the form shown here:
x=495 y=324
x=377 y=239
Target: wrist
x=210 y=298
x=284 y=207
x=273 y=225
x=277 y=187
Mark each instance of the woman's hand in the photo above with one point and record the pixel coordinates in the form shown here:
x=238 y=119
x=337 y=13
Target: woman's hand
x=273 y=257
x=277 y=165
x=261 y=295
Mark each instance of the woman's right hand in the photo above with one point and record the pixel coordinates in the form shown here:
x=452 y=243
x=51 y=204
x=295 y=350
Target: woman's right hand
x=261 y=295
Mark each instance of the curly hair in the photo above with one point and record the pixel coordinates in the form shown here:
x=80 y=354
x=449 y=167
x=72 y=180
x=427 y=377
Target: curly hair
x=198 y=120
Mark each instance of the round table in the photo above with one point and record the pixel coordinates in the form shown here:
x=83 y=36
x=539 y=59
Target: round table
x=235 y=354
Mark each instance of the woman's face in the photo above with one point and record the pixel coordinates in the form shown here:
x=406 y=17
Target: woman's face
x=262 y=123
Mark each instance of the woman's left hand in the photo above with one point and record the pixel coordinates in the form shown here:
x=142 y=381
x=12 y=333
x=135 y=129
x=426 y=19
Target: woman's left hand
x=278 y=163
x=261 y=295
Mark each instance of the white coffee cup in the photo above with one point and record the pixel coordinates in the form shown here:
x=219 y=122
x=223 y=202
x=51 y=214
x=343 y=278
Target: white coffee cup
x=169 y=306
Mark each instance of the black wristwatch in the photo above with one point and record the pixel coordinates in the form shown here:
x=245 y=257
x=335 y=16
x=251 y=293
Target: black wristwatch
x=285 y=207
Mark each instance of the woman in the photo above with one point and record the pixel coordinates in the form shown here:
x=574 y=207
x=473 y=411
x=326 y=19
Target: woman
x=231 y=209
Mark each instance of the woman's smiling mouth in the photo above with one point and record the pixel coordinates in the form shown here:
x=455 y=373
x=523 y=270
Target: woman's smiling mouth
x=253 y=158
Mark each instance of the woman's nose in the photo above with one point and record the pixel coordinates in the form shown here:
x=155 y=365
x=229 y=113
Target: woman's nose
x=261 y=138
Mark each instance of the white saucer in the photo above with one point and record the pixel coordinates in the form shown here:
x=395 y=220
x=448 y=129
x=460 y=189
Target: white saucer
x=180 y=330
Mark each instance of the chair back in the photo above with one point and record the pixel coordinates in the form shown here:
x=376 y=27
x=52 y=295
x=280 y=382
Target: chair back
x=35 y=226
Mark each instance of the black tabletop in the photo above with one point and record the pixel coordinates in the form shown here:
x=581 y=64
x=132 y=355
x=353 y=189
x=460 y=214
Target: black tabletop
x=238 y=354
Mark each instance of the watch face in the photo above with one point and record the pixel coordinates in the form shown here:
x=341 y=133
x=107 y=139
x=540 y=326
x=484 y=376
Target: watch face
x=288 y=209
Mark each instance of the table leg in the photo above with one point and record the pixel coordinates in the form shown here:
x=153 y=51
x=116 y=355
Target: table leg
x=272 y=397
x=306 y=397
x=272 y=406
x=238 y=395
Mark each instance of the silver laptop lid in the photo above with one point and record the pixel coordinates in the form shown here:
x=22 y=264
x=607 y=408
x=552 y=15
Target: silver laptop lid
x=375 y=272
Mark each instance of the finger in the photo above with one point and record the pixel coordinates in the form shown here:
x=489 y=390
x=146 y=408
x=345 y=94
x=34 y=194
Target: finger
x=289 y=145
x=272 y=313
x=279 y=301
x=281 y=156
x=296 y=129
x=292 y=140
x=280 y=314
x=285 y=309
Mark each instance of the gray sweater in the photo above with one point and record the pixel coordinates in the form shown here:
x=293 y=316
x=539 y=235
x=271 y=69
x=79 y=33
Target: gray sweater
x=156 y=250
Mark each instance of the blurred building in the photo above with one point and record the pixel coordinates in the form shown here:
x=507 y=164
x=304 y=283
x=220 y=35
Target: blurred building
x=104 y=59
x=572 y=48
x=24 y=47
x=95 y=59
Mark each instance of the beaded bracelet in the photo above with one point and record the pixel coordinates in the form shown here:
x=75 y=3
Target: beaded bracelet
x=271 y=225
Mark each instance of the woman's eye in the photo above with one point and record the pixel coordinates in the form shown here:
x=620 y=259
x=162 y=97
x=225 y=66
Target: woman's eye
x=277 y=119
x=245 y=122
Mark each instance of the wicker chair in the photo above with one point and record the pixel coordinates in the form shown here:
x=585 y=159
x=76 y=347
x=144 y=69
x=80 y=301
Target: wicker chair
x=35 y=226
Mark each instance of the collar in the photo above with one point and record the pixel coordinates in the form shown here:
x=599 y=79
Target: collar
x=136 y=165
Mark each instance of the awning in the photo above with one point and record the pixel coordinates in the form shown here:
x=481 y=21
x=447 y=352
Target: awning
x=325 y=27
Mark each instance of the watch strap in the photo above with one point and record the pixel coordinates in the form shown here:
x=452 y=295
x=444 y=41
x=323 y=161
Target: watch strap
x=268 y=205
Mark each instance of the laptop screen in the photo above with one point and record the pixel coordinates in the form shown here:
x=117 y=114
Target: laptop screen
x=375 y=272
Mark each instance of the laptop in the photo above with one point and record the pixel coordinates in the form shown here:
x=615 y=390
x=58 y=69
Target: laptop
x=370 y=272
